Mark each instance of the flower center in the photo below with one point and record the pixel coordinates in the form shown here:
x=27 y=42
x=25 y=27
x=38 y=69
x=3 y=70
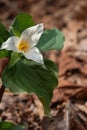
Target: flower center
x=23 y=46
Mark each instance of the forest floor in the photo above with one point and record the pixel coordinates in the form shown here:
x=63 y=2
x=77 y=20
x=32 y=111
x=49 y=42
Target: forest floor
x=71 y=94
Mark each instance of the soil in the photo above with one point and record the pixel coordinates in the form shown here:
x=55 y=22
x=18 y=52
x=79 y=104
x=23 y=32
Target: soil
x=69 y=102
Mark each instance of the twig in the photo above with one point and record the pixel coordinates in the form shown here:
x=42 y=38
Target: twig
x=2 y=89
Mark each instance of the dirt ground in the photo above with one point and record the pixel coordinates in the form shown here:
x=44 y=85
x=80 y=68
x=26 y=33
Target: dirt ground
x=71 y=94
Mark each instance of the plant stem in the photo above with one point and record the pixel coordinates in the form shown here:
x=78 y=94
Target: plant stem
x=2 y=89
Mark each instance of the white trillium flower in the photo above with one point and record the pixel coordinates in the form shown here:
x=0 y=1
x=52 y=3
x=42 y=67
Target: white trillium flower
x=26 y=43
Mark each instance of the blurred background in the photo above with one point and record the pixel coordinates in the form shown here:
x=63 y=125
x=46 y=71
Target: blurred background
x=69 y=16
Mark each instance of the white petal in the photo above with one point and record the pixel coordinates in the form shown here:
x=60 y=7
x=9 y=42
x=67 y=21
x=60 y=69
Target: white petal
x=35 y=55
x=11 y=44
x=32 y=34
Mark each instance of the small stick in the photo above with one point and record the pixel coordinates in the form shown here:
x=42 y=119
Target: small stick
x=2 y=89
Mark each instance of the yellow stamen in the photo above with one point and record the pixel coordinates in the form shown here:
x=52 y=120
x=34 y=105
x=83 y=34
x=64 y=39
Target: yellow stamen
x=23 y=46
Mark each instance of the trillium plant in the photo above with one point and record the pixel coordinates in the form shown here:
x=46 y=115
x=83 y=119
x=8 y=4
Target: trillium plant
x=26 y=43
x=28 y=70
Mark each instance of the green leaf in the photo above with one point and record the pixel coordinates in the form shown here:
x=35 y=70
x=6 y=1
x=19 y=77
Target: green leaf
x=5 y=53
x=14 y=58
x=4 y=34
x=52 y=66
x=20 y=23
x=10 y=126
x=51 y=40
x=32 y=77
x=46 y=105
